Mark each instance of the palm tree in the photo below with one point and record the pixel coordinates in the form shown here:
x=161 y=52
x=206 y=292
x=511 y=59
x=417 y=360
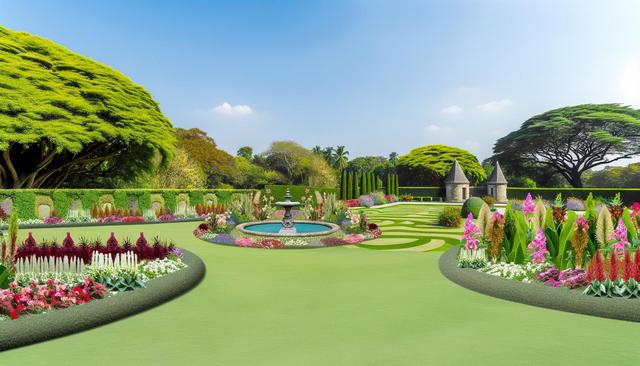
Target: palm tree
x=327 y=153
x=340 y=158
x=317 y=150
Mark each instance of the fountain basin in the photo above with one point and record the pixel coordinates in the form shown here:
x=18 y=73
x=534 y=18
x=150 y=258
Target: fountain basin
x=302 y=228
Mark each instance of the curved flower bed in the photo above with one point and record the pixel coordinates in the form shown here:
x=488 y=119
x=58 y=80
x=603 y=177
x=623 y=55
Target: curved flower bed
x=536 y=293
x=32 y=329
x=597 y=254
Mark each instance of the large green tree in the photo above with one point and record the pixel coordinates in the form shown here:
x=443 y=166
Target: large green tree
x=299 y=165
x=428 y=165
x=66 y=120
x=572 y=140
x=218 y=165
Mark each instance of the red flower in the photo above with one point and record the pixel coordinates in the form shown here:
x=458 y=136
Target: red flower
x=628 y=270
x=613 y=266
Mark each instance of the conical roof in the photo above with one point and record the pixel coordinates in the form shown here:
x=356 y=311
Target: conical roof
x=496 y=176
x=456 y=174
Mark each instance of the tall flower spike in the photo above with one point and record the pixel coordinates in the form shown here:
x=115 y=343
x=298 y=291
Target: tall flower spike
x=528 y=206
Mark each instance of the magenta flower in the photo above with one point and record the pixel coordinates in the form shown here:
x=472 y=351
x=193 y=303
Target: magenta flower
x=539 y=247
x=620 y=236
x=528 y=206
x=471 y=233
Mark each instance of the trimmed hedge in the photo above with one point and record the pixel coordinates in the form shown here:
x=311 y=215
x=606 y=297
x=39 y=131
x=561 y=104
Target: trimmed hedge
x=278 y=191
x=61 y=322
x=25 y=201
x=628 y=195
x=422 y=191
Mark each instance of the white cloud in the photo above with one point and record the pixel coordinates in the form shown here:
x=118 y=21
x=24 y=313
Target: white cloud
x=436 y=128
x=629 y=82
x=233 y=110
x=452 y=109
x=495 y=106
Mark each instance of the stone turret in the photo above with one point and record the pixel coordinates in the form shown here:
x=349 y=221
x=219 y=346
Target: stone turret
x=497 y=185
x=456 y=184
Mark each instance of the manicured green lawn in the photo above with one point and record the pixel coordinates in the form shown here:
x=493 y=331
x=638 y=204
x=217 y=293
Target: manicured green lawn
x=334 y=306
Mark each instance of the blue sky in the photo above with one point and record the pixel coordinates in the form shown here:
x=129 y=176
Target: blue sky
x=375 y=76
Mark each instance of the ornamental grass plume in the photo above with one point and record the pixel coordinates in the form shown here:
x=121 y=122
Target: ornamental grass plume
x=539 y=213
x=528 y=206
x=579 y=239
x=539 y=247
x=471 y=233
x=604 y=227
x=494 y=235
x=628 y=269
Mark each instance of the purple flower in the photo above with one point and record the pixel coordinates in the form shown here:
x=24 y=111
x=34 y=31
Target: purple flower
x=223 y=238
x=471 y=233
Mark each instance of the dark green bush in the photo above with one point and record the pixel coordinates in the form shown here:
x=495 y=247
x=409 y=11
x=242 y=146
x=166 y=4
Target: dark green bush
x=450 y=217
x=473 y=205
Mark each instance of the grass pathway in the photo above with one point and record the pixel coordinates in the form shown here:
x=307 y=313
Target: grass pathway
x=333 y=306
x=412 y=228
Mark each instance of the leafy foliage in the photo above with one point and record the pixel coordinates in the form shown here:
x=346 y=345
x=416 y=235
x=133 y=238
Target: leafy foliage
x=571 y=140
x=66 y=120
x=218 y=165
x=428 y=165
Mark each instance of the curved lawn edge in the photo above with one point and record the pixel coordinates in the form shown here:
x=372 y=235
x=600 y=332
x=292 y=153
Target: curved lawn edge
x=57 y=323
x=537 y=294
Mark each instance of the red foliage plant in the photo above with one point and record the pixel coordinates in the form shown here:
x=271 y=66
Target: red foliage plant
x=636 y=265
x=627 y=267
x=596 y=268
x=614 y=266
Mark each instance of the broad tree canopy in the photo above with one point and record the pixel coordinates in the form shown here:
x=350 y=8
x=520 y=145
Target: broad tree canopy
x=572 y=140
x=428 y=165
x=66 y=120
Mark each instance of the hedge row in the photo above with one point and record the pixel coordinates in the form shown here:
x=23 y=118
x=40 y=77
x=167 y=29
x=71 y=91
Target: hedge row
x=628 y=194
x=278 y=191
x=26 y=201
x=422 y=191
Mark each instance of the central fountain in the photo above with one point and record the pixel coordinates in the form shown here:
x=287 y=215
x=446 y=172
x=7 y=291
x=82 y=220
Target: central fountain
x=287 y=227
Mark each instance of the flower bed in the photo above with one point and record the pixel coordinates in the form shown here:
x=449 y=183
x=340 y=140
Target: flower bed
x=354 y=226
x=45 y=326
x=38 y=277
x=552 y=246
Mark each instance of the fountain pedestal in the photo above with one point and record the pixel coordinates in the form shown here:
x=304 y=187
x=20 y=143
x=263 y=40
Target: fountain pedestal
x=288 y=226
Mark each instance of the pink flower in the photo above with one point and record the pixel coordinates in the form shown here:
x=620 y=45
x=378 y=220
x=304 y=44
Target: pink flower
x=353 y=238
x=528 y=206
x=539 y=247
x=471 y=233
x=620 y=235
x=244 y=242
x=635 y=209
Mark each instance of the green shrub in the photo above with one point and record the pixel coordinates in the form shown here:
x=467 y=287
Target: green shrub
x=378 y=198
x=450 y=217
x=473 y=205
